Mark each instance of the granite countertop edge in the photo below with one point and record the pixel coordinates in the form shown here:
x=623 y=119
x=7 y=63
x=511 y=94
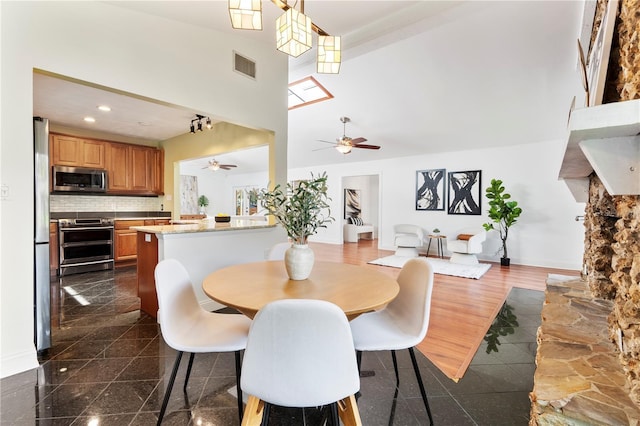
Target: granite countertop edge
x=197 y=228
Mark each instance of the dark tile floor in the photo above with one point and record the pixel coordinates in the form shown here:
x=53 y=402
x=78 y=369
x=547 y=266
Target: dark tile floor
x=109 y=366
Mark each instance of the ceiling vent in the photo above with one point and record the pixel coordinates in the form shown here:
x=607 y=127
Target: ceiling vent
x=244 y=65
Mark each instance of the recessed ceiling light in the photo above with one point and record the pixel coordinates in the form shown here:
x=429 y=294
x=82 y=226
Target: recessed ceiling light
x=104 y=108
x=90 y=119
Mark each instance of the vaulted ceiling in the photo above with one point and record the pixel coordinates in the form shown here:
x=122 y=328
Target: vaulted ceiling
x=417 y=77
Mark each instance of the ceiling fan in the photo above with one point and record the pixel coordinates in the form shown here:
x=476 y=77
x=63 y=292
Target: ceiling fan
x=344 y=144
x=215 y=165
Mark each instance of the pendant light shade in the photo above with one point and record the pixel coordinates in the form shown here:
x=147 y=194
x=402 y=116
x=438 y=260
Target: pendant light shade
x=293 y=33
x=246 y=14
x=329 y=54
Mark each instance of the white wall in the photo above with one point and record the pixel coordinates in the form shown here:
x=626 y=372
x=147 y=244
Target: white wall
x=219 y=187
x=545 y=235
x=113 y=47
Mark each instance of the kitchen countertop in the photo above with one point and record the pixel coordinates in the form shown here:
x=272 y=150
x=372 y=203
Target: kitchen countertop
x=207 y=225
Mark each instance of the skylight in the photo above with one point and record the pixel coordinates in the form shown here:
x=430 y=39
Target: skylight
x=306 y=91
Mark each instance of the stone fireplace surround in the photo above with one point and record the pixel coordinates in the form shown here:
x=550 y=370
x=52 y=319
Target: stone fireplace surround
x=588 y=361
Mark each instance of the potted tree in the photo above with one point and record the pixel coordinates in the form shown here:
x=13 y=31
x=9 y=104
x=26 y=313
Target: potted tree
x=203 y=202
x=504 y=214
x=301 y=210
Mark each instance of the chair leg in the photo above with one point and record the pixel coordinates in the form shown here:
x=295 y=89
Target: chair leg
x=335 y=420
x=238 y=388
x=167 y=393
x=265 y=414
x=395 y=368
x=359 y=359
x=186 y=380
x=420 y=384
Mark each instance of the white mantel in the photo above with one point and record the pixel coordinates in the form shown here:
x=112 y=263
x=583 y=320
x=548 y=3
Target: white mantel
x=604 y=139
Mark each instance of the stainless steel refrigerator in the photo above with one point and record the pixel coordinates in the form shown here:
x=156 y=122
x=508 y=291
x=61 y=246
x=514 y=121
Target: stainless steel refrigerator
x=42 y=292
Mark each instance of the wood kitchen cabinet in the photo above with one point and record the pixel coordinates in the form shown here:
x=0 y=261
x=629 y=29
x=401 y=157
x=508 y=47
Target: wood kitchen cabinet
x=125 y=250
x=77 y=152
x=131 y=169
x=158 y=172
x=125 y=244
x=134 y=169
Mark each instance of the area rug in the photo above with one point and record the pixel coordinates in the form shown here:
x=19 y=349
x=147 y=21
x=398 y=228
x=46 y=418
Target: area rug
x=440 y=266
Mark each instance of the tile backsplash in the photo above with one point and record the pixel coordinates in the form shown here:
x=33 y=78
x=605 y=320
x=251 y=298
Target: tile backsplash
x=92 y=203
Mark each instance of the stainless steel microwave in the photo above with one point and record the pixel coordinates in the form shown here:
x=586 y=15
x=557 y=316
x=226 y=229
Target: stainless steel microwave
x=78 y=179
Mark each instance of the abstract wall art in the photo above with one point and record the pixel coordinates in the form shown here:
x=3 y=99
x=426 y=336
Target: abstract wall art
x=430 y=189
x=352 y=207
x=465 y=192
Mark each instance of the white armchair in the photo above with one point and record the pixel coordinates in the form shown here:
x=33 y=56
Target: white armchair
x=465 y=244
x=407 y=239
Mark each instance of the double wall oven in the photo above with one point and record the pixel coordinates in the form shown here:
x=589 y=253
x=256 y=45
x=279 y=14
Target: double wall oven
x=85 y=245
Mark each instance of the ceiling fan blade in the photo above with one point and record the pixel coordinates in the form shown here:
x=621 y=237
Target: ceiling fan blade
x=320 y=140
x=227 y=166
x=356 y=141
x=328 y=147
x=366 y=146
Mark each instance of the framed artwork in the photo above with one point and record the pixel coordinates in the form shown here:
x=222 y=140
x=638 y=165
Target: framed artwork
x=352 y=206
x=465 y=192
x=599 y=55
x=430 y=189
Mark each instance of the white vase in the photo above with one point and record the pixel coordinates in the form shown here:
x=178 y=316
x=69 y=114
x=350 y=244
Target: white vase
x=298 y=260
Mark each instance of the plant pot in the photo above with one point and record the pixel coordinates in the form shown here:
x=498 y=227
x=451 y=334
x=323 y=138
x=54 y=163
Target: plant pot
x=298 y=260
x=505 y=261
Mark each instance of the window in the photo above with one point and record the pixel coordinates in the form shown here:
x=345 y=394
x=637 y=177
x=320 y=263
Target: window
x=306 y=91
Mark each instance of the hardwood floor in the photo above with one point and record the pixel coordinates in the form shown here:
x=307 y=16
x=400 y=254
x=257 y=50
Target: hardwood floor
x=462 y=309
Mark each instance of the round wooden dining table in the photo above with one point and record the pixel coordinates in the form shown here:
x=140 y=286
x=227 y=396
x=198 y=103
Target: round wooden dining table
x=248 y=287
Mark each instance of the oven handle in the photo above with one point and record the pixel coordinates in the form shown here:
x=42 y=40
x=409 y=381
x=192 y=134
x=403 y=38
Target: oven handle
x=93 y=262
x=89 y=228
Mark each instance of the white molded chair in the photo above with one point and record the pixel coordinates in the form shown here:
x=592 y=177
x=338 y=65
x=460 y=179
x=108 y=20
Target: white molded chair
x=277 y=251
x=300 y=354
x=465 y=245
x=403 y=323
x=407 y=239
x=187 y=327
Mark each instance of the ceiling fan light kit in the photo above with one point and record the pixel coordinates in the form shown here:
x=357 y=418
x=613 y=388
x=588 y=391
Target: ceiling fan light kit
x=293 y=31
x=345 y=144
x=214 y=165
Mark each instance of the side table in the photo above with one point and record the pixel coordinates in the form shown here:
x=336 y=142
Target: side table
x=439 y=238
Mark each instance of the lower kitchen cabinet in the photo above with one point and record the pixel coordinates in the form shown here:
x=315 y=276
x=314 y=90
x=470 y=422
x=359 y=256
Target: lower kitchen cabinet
x=125 y=250
x=125 y=244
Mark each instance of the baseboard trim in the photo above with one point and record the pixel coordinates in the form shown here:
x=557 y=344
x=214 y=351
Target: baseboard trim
x=18 y=362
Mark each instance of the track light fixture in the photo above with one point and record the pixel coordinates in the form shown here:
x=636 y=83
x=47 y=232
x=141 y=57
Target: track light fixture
x=198 y=127
x=293 y=31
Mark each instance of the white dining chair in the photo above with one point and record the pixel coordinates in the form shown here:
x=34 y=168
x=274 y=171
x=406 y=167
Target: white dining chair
x=187 y=327
x=403 y=323
x=300 y=354
x=276 y=252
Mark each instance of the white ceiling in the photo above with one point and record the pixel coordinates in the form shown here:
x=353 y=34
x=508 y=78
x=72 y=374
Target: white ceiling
x=417 y=77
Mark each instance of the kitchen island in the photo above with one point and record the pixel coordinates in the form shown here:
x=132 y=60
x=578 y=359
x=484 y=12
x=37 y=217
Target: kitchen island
x=202 y=247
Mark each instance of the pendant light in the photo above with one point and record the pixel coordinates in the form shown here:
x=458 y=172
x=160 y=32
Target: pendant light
x=246 y=14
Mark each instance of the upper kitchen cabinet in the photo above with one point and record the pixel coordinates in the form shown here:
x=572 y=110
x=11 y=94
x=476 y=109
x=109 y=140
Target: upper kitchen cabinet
x=134 y=169
x=131 y=169
x=77 y=152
